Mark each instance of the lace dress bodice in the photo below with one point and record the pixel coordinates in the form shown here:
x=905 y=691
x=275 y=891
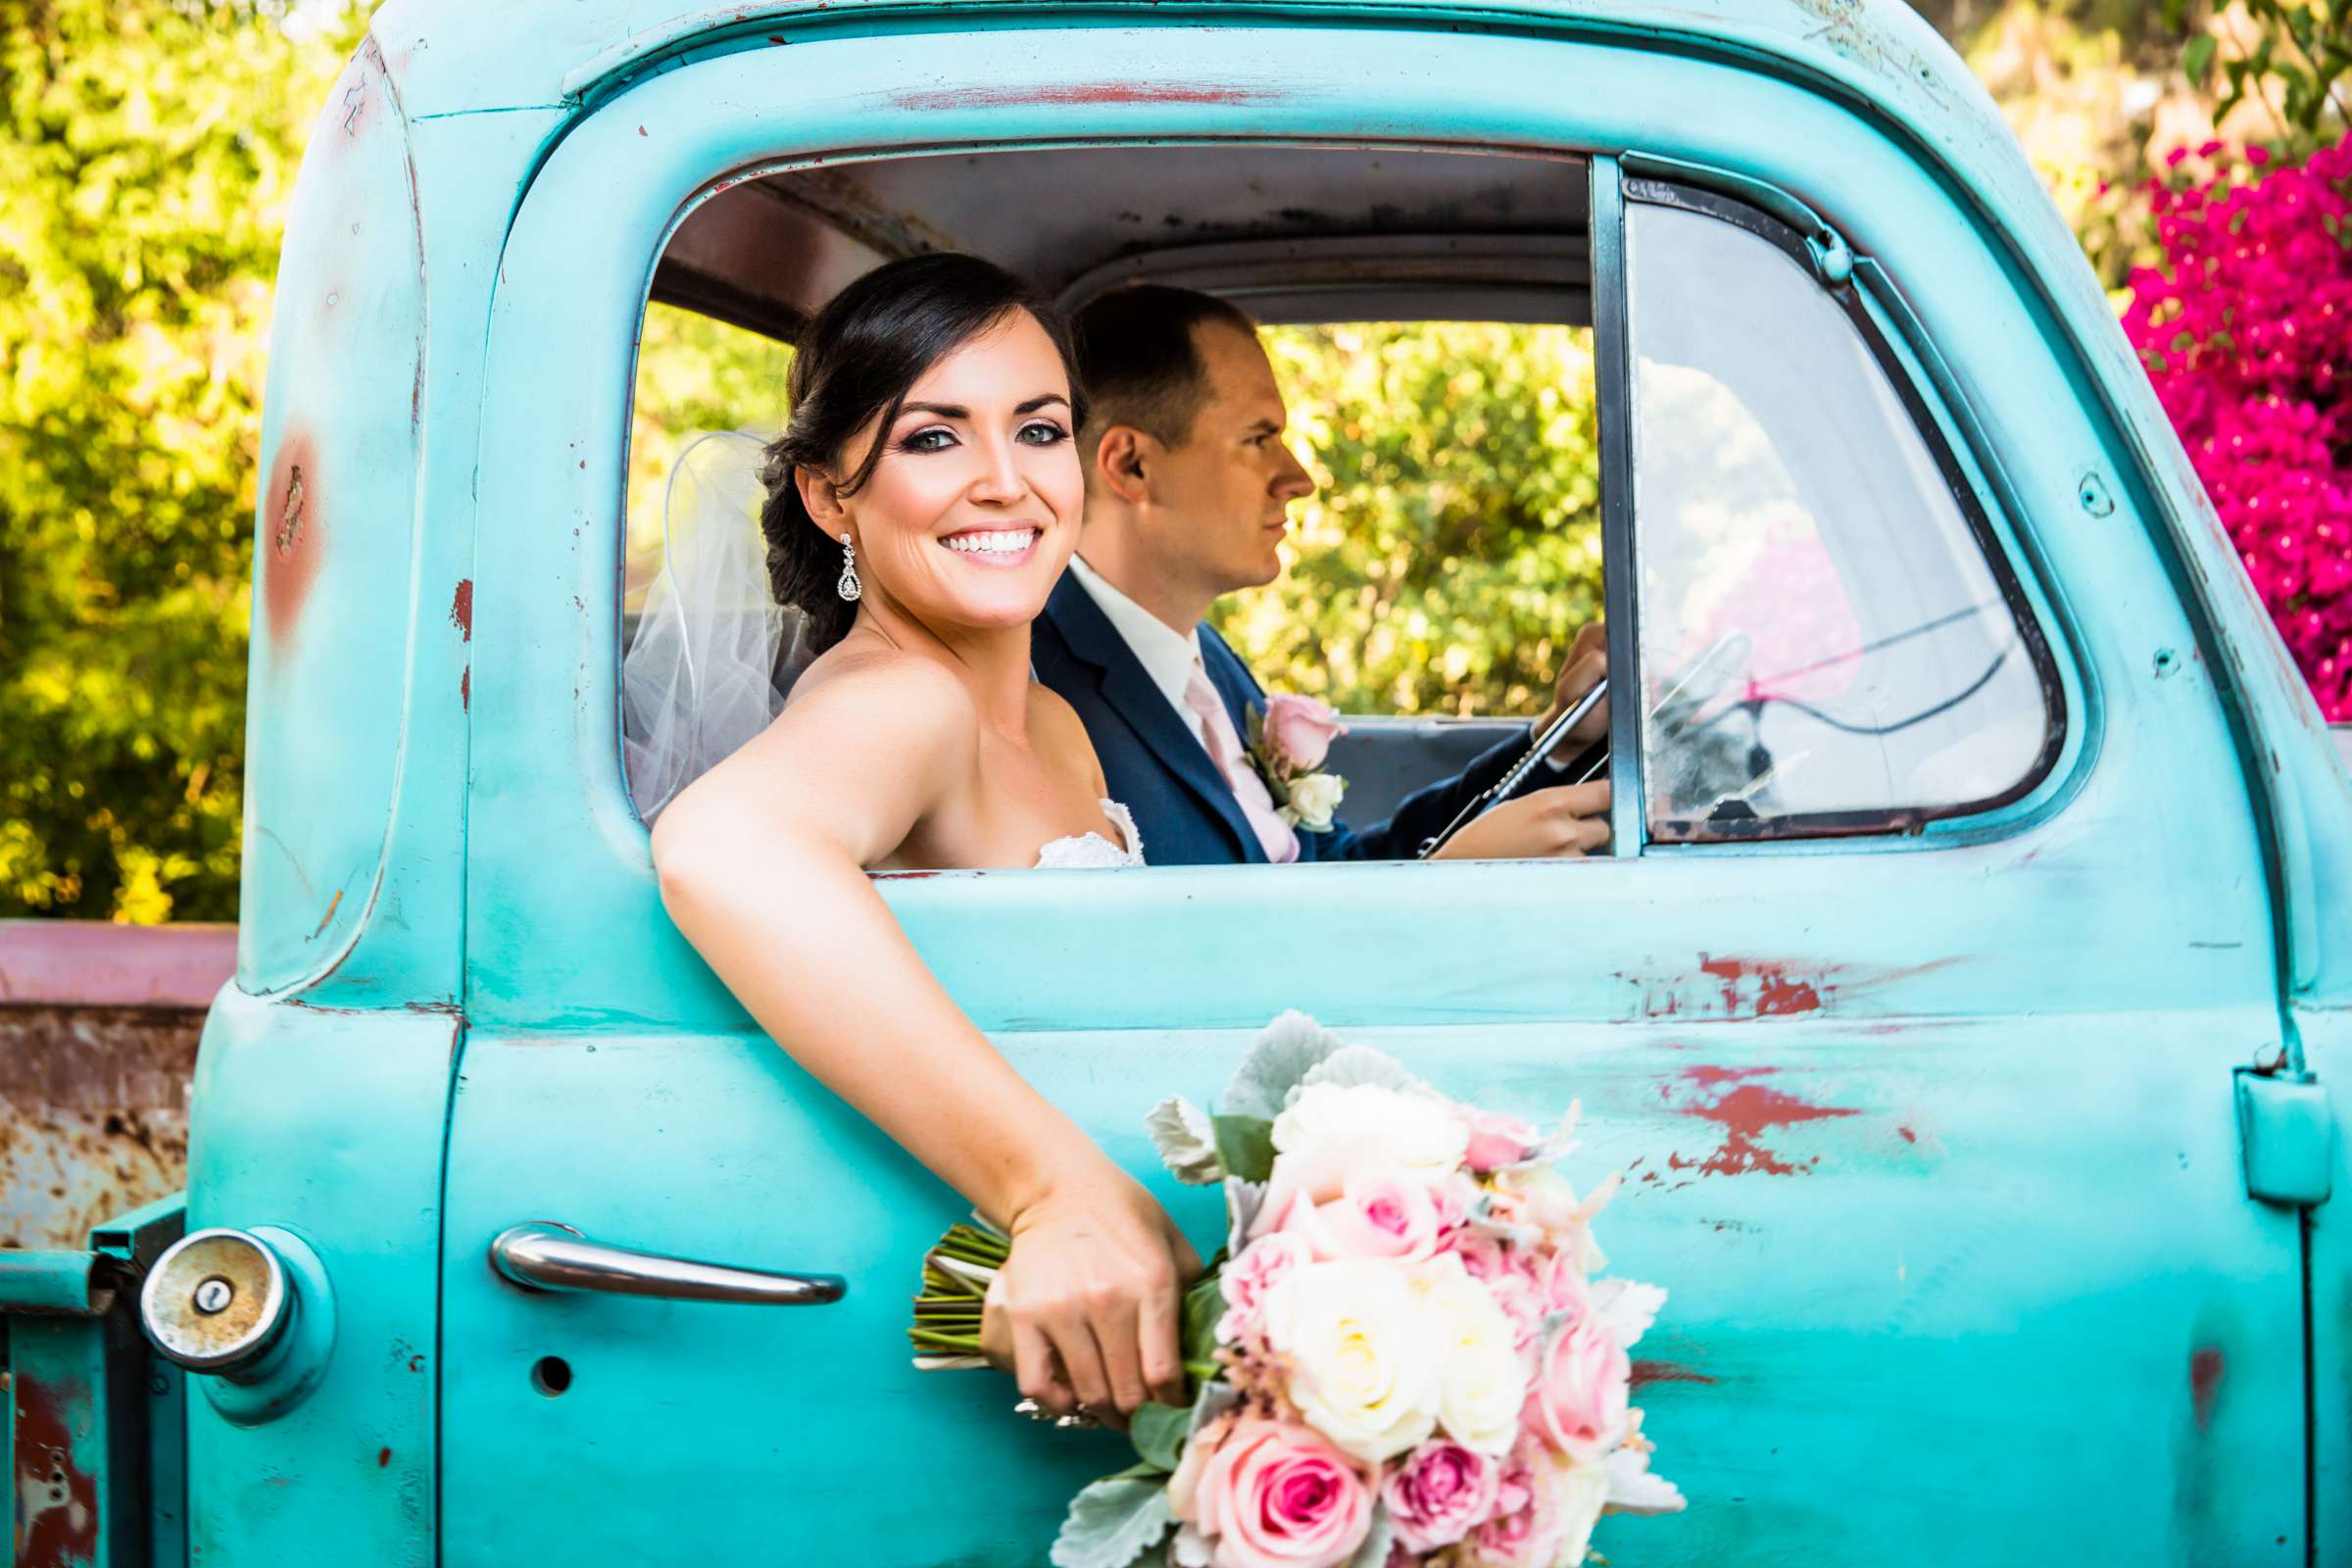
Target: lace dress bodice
x=1092 y=850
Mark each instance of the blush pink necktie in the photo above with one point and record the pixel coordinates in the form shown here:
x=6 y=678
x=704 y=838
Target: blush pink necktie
x=1224 y=746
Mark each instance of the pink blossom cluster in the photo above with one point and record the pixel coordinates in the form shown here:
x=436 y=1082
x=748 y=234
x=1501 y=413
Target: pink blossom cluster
x=2246 y=331
x=1416 y=1353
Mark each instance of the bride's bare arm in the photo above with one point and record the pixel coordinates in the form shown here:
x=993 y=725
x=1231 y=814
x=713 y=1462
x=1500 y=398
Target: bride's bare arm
x=760 y=863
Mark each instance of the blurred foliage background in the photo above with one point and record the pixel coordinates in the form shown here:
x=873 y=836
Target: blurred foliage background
x=146 y=156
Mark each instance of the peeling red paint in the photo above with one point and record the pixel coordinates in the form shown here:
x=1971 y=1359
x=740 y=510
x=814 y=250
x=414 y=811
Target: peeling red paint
x=1668 y=1372
x=1776 y=992
x=1744 y=1113
x=1087 y=92
x=57 y=1501
x=384 y=1458
x=461 y=607
x=1907 y=1134
x=290 y=535
x=465 y=689
x=2205 y=1367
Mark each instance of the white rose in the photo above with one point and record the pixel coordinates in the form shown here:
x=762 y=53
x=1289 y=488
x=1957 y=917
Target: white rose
x=1362 y=1361
x=1313 y=798
x=1482 y=1375
x=1335 y=1128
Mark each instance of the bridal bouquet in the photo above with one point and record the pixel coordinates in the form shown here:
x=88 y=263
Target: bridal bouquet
x=1402 y=1356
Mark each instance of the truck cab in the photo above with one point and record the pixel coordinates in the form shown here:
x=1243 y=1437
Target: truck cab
x=1961 y=995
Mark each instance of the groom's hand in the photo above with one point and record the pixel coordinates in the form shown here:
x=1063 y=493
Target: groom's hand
x=1588 y=661
x=1569 y=819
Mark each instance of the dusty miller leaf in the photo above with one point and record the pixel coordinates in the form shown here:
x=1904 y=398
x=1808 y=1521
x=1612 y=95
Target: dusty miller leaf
x=1112 y=1523
x=1288 y=1048
x=1350 y=1066
x=1186 y=1139
x=1243 y=1200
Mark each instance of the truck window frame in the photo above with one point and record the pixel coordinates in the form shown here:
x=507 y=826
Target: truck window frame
x=1620 y=183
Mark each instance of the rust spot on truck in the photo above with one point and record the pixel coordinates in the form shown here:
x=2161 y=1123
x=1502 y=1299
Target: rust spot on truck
x=461 y=607
x=1085 y=92
x=57 y=1500
x=97 y=1117
x=2205 y=1368
x=290 y=535
x=1745 y=1111
x=1760 y=988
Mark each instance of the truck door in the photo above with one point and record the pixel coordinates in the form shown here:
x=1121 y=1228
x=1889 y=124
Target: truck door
x=1908 y=1001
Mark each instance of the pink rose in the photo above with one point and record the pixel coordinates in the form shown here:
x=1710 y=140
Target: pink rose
x=1584 y=1383
x=1300 y=730
x=1440 y=1493
x=1269 y=1494
x=1256 y=1269
x=1377 y=1215
x=1526 y=1530
x=1497 y=1139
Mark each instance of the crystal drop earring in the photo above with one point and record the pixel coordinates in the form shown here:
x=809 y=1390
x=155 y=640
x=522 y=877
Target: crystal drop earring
x=848 y=587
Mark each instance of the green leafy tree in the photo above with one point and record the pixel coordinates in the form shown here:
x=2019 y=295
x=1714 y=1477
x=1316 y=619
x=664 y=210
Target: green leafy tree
x=147 y=151
x=2285 y=62
x=1455 y=545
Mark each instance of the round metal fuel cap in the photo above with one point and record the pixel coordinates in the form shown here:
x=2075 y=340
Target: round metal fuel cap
x=217 y=1300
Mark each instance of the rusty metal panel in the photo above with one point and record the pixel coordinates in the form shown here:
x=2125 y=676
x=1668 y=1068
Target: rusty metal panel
x=78 y=1400
x=93 y=1116
x=98 y=1028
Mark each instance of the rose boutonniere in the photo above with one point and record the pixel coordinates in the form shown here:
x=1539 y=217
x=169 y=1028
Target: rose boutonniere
x=1289 y=737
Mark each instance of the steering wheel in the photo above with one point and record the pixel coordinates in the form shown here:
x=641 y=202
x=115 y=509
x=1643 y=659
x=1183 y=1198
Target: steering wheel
x=1696 y=682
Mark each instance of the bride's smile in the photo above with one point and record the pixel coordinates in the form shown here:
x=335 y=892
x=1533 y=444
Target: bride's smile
x=996 y=546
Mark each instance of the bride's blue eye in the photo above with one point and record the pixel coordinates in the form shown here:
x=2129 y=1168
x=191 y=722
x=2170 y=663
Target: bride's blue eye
x=930 y=438
x=1043 y=433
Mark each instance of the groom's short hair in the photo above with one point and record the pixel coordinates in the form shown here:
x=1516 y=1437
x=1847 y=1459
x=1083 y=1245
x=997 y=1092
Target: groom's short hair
x=1138 y=360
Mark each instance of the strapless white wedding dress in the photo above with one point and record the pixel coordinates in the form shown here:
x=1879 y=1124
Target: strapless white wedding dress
x=1088 y=852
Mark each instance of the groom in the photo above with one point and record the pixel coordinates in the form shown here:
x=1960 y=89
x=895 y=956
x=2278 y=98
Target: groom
x=1188 y=491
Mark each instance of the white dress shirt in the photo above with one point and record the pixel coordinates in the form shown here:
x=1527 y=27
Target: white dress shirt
x=1167 y=654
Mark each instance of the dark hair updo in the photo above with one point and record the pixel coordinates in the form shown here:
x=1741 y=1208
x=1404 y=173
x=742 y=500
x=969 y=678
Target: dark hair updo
x=859 y=358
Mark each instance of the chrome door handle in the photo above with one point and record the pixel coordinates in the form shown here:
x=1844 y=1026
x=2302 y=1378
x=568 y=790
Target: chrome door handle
x=547 y=1256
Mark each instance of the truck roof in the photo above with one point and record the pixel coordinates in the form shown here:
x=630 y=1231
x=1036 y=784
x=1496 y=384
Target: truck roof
x=460 y=57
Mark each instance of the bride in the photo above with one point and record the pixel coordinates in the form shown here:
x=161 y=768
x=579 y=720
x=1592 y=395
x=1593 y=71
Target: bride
x=920 y=505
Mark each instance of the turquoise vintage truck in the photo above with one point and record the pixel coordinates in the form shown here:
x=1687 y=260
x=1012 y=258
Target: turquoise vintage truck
x=1965 y=1024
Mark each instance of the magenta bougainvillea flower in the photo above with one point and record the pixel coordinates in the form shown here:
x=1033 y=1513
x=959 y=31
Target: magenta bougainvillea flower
x=2246 y=331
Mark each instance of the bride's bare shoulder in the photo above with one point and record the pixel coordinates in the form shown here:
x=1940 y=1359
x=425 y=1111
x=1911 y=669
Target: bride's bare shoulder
x=876 y=690
x=1051 y=715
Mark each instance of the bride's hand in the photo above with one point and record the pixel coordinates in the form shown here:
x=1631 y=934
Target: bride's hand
x=1086 y=1309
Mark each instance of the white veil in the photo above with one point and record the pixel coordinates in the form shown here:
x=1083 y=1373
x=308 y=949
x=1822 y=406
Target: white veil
x=713 y=653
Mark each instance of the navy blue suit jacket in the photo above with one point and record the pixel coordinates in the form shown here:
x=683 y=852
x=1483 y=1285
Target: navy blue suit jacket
x=1157 y=768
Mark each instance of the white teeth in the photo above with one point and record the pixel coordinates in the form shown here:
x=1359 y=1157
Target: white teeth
x=1000 y=542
